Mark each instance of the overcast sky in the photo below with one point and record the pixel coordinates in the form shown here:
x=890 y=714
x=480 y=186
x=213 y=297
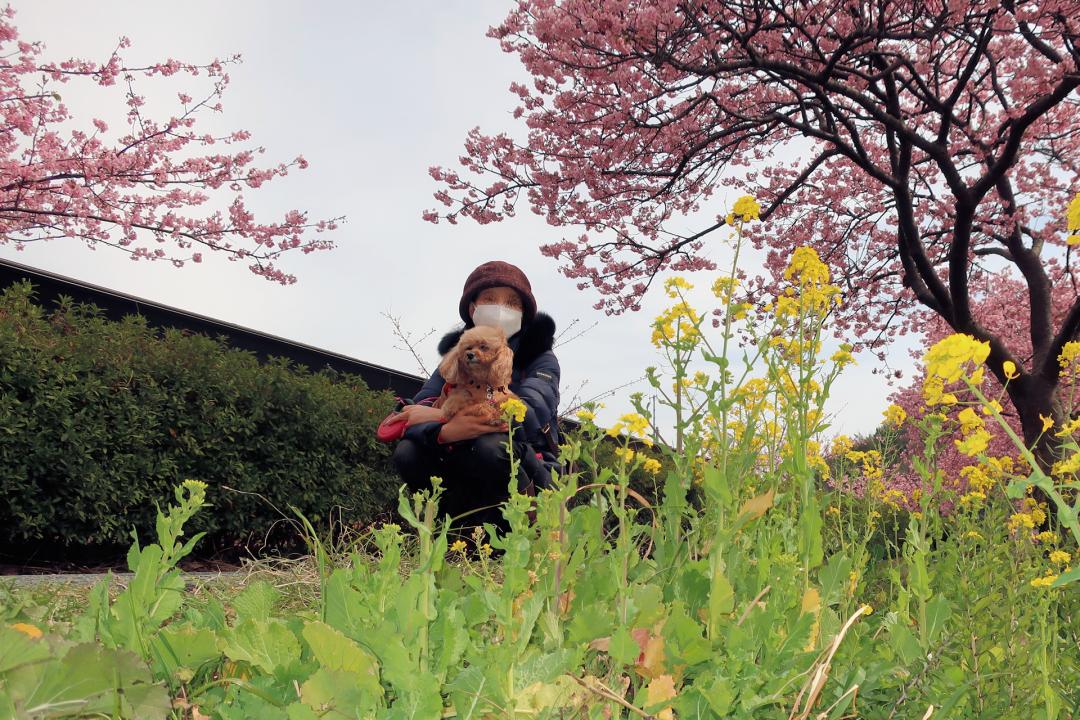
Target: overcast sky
x=372 y=94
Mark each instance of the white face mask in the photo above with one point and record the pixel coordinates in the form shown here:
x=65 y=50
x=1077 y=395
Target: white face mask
x=498 y=316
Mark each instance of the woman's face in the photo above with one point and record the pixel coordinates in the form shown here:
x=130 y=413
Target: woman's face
x=502 y=295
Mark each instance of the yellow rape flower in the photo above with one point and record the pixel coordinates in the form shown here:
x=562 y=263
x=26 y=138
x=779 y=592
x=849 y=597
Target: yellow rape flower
x=1045 y=581
x=1009 y=367
x=948 y=358
x=625 y=454
x=1046 y=537
x=1072 y=217
x=651 y=466
x=1021 y=520
x=1060 y=557
x=806 y=267
x=1070 y=352
x=1047 y=422
x=975 y=443
x=458 y=546
x=746 y=208
x=841 y=445
x=674 y=284
x=586 y=415
x=895 y=415
x=514 y=408
x=636 y=423
x=843 y=356
x=969 y=421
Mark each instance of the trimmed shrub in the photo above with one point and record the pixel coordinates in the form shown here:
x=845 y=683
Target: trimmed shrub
x=98 y=419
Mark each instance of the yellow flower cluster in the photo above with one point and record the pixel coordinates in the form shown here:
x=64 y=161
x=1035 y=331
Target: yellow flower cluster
x=949 y=358
x=724 y=288
x=678 y=323
x=843 y=356
x=871 y=463
x=634 y=424
x=810 y=276
x=976 y=438
x=651 y=466
x=1070 y=354
x=745 y=209
x=673 y=285
x=1073 y=219
x=895 y=415
x=514 y=408
x=1045 y=581
x=1034 y=514
x=586 y=416
x=458 y=546
x=625 y=454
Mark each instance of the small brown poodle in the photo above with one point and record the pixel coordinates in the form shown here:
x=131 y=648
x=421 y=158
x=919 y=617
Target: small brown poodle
x=477 y=374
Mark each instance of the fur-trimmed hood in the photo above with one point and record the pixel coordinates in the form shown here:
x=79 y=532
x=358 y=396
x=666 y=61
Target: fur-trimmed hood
x=529 y=343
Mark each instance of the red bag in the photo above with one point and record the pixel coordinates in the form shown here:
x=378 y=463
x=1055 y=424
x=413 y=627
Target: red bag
x=392 y=428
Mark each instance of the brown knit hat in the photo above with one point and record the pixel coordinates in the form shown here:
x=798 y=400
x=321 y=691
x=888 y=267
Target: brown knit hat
x=497 y=273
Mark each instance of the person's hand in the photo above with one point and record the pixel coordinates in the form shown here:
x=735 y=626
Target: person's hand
x=416 y=414
x=468 y=427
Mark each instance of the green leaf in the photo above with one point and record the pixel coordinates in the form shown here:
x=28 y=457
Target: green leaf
x=1067 y=577
x=185 y=646
x=269 y=646
x=905 y=644
x=256 y=601
x=468 y=693
x=336 y=693
x=18 y=649
x=721 y=594
x=92 y=680
x=937 y=614
x=334 y=651
x=834 y=578
x=623 y=648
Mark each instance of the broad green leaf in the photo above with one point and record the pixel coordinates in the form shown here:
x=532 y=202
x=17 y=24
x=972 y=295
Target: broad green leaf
x=422 y=703
x=1067 y=577
x=623 y=648
x=334 y=651
x=92 y=680
x=256 y=601
x=335 y=693
x=834 y=577
x=183 y=646
x=721 y=595
x=469 y=693
x=905 y=644
x=719 y=693
x=18 y=649
x=937 y=614
x=269 y=646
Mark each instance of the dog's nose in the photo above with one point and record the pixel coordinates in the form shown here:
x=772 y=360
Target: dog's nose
x=470 y=356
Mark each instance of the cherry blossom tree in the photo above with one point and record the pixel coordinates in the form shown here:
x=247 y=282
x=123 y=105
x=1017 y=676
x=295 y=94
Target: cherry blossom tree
x=915 y=145
x=149 y=190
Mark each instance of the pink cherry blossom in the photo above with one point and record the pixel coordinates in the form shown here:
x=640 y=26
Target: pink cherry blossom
x=917 y=146
x=148 y=190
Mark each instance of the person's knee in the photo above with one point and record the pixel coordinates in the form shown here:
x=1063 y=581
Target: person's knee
x=406 y=456
x=413 y=464
x=489 y=451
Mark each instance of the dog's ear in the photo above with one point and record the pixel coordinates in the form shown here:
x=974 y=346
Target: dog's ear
x=450 y=368
x=502 y=366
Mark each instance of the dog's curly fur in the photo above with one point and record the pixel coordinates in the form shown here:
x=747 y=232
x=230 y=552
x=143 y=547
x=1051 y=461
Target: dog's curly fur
x=481 y=360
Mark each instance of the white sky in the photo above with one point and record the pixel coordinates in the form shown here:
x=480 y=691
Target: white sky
x=372 y=94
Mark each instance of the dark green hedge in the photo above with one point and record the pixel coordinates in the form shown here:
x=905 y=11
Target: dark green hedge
x=100 y=419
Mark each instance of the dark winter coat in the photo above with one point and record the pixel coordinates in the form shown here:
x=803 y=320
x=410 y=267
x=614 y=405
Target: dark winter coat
x=535 y=379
